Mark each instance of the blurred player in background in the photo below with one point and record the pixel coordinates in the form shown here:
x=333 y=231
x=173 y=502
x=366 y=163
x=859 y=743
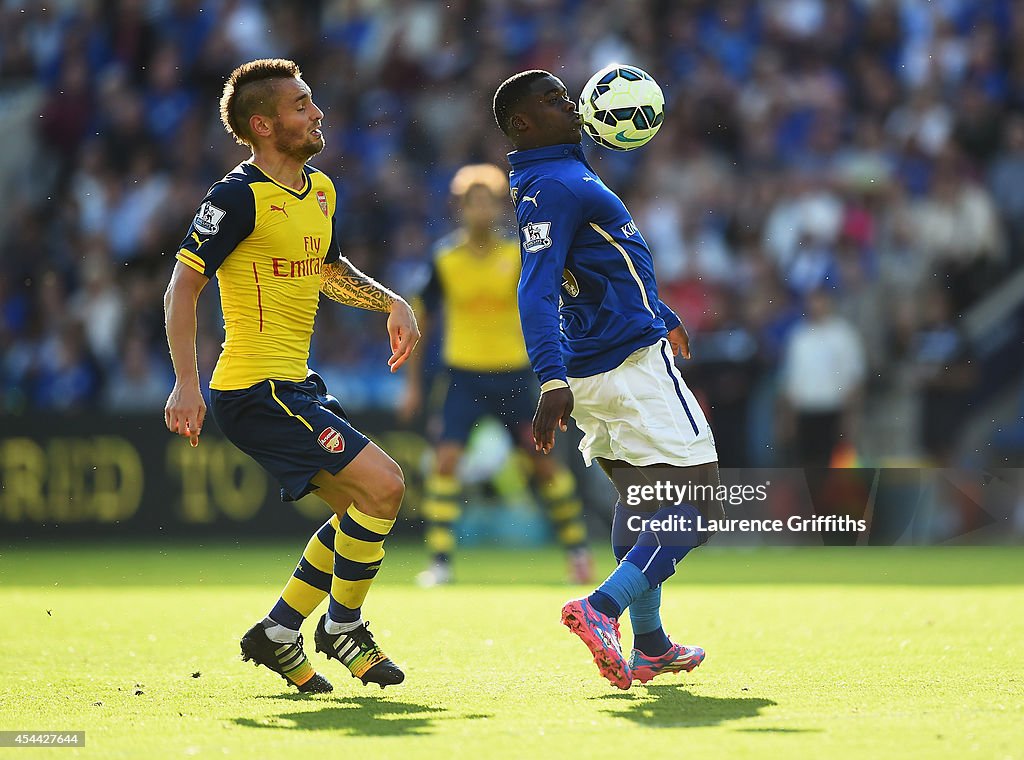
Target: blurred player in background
x=473 y=279
x=267 y=230
x=599 y=337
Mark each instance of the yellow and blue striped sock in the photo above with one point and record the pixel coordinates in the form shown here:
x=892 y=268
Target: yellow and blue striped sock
x=442 y=508
x=564 y=509
x=358 y=552
x=310 y=582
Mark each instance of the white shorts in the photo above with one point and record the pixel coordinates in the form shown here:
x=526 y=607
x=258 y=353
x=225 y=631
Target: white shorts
x=642 y=413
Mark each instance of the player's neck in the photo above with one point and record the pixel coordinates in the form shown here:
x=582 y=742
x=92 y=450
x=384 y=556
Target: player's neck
x=479 y=239
x=285 y=170
x=528 y=143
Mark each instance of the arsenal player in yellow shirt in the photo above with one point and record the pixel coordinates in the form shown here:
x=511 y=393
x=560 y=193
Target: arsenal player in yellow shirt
x=267 y=232
x=472 y=288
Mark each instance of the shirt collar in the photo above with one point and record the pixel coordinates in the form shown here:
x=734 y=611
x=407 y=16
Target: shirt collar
x=547 y=153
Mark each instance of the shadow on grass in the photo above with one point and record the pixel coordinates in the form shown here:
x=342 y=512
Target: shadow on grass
x=674 y=707
x=356 y=716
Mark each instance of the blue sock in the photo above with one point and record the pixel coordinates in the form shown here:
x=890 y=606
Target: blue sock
x=653 y=644
x=645 y=611
x=284 y=614
x=652 y=558
x=339 y=613
x=604 y=604
x=645 y=617
x=657 y=551
x=645 y=607
x=624 y=585
x=622 y=541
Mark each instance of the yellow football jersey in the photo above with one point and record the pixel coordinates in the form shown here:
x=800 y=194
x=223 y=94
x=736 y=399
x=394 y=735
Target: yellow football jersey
x=266 y=243
x=478 y=295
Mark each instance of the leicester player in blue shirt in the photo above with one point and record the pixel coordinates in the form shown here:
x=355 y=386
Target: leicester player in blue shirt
x=602 y=345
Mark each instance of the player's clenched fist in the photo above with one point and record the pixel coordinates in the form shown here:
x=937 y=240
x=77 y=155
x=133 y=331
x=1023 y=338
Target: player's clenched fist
x=185 y=412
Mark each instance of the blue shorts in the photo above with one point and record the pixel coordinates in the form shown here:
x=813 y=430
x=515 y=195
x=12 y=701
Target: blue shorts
x=509 y=396
x=293 y=430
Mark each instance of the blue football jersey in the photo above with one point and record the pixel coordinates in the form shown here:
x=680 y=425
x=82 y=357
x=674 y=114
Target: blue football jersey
x=587 y=294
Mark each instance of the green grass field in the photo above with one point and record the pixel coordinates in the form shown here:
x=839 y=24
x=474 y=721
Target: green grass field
x=856 y=652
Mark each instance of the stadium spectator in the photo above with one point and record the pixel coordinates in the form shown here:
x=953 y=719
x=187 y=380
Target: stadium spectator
x=138 y=380
x=855 y=143
x=1006 y=178
x=822 y=376
x=942 y=367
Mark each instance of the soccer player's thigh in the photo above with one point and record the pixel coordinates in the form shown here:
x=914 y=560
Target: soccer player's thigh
x=343 y=466
x=307 y=447
x=511 y=397
x=627 y=479
x=701 y=480
x=372 y=481
x=459 y=413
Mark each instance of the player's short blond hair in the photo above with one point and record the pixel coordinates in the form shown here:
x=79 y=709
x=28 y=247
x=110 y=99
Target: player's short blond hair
x=487 y=175
x=250 y=90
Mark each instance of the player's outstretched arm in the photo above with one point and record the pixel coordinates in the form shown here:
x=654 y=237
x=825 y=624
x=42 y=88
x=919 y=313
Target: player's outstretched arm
x=185 y=409
x=341 y=281
x=344 y=283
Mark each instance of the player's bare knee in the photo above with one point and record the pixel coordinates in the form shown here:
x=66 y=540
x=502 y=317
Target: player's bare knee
x=447 y=460
x=544 y=470
x=388 y=492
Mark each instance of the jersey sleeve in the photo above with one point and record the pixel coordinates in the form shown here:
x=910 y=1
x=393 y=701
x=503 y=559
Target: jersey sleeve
x=548 y=221
x=333 y=255
x=671 y=319
x=334 y=249
x=225 y=218
x=432 y=293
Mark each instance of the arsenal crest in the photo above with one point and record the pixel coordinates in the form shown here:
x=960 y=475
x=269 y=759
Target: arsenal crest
x=331 y=441
x=321 y=197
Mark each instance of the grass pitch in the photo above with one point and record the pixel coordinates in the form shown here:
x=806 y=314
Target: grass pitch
x=876 y=652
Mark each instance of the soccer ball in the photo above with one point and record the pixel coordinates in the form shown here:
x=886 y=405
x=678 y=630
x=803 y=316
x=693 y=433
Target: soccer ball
x=622 y=107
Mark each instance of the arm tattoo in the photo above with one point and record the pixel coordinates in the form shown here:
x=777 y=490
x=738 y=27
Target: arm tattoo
x=342 y=282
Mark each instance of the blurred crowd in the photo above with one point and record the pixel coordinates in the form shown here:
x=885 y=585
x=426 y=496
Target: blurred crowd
x=836 y=183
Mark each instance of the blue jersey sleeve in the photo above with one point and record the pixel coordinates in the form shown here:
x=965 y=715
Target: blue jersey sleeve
x=670 y=318
x=225 y=218
x=548 y=221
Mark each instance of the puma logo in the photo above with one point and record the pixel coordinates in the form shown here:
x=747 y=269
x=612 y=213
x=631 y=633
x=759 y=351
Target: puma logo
x=280 y=208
